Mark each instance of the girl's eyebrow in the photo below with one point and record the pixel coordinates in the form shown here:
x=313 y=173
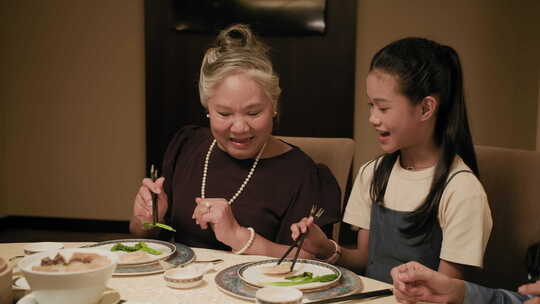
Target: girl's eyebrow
x=378 y=100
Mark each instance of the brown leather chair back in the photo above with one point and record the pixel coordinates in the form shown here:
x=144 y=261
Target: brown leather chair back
x=511 y=179
x=335 y=153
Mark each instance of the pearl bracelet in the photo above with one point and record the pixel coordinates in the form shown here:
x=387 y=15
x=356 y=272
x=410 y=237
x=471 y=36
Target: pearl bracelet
x=248 y=243
x=335 y=256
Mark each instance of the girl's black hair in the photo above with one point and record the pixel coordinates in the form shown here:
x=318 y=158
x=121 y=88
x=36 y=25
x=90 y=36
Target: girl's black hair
x=424 y=68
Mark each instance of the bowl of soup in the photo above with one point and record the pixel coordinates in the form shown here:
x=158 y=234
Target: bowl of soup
x=75 y=275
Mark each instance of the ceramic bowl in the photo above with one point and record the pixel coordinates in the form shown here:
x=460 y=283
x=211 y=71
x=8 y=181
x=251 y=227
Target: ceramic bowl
x=278 y=295
x=185 y=277
x=82 y=287
x=6 y=292
x=41 y=247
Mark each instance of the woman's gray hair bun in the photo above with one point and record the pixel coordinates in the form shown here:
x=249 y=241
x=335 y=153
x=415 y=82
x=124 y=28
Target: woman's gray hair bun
x=237 y=50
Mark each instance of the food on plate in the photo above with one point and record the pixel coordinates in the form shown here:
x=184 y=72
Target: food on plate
x=282 y=268
x=78 y=262
x=304 y=278
x=139 y=246
x=301 y=276
x=138 y=256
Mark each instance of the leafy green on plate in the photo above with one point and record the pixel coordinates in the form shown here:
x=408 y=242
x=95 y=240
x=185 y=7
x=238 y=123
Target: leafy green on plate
x=139 y=246
x=306 y=277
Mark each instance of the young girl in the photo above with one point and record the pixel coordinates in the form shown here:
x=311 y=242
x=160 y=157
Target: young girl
x=421 y=200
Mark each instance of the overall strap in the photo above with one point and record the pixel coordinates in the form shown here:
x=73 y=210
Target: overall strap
x=453 y=175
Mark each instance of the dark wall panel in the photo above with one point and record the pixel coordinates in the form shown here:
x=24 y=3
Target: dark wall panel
x=316 y=71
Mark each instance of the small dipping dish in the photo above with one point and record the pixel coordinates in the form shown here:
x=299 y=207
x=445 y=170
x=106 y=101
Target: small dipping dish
x=20 y=288
x=186 y=277
x=278 y=295
x=41 y=247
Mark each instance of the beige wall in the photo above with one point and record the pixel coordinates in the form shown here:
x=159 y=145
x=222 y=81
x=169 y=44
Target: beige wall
x=72 y=91
x=72 y=107
x=500 y=51
x=538 y=116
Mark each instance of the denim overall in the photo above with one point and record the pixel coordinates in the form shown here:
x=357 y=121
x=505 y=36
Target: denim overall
x=388 y=248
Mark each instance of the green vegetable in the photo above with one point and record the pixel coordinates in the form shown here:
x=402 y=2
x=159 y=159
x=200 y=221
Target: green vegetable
x=306 y=277
x=122 y=247
x=147 y=249
x=148 y=225
x=299 y=276
x=139 y=246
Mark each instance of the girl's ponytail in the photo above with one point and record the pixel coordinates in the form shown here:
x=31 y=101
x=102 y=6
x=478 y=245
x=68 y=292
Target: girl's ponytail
x=457 y=129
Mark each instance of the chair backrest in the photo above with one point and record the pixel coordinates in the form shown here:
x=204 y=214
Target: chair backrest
x=335 y=153
x=511 y=179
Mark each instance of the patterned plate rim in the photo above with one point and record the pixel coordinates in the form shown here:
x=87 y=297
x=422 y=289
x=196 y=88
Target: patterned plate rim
x=147 y=269
x=353 y=287
x=329 y=284
x=171 y=246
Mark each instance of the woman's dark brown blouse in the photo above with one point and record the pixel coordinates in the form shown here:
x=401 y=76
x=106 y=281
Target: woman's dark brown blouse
x=280 y=192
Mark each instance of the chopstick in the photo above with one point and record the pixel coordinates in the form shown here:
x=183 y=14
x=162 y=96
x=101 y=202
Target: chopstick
x=315 y=212
x=290 y=249
x=301 y=241
x=363 y=295
x=153 y=176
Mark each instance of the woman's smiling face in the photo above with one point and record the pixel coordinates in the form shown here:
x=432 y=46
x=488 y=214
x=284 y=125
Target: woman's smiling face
x=394 y=117
x=240 y=116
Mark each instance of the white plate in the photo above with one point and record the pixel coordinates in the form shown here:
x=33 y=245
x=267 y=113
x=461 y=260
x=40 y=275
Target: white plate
x=252 y=273
x=41 y=246
x=166 y=248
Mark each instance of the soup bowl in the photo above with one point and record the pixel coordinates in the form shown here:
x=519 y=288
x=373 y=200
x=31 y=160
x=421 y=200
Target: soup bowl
x=81 y=285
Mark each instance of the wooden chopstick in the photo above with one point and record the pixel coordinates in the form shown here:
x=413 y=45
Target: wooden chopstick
x=153 y=176
x=301 y=241
x=289 y=250
x=363 y=295
x=316 y=212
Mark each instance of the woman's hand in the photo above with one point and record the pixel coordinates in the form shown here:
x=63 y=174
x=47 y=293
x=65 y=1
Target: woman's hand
x=217 y=213
x=414 y=282
x=142 y=206
x=315 y=241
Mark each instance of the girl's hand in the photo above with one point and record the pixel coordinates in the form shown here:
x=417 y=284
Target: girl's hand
x=142 y=207
x=531 y=289
x=315 y=241
x=218 y=213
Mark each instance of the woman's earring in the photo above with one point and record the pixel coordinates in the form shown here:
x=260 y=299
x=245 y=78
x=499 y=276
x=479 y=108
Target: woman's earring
x=275 y=113
x=207 y=115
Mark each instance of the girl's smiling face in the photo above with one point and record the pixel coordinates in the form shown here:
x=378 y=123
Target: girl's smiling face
x=240 y=116
x=395 y=118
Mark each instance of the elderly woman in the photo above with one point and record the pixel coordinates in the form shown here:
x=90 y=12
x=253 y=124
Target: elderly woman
x=236 y=186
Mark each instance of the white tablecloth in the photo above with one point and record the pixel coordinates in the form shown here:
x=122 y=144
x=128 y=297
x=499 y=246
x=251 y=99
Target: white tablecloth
x=153 y=289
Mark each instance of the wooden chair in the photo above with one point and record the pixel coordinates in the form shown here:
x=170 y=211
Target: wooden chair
x=335 y=153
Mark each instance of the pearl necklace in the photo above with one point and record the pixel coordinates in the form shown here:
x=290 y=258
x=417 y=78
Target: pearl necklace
x=248 y=177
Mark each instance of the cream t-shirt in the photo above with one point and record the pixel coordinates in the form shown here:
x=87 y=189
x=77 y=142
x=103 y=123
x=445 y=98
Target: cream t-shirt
x=464 y=213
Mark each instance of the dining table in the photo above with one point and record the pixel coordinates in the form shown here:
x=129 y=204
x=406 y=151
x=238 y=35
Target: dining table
x=152 y=288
